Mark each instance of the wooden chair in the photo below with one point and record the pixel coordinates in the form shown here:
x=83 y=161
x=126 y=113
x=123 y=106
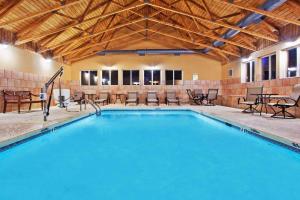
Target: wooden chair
x=19 y=98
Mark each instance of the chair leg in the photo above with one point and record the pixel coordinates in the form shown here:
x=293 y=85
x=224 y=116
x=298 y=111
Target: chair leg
x=19 y=107
x=4 y=107
x=30 y=104
x=285 y=114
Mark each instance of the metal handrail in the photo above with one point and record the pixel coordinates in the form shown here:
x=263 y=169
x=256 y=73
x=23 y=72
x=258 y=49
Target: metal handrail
x=95 y=106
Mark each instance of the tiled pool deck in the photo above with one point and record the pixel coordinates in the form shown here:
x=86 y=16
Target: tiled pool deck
x=14 y=126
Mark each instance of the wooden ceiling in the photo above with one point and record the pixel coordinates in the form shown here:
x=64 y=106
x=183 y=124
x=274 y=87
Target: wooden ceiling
x=72 y=30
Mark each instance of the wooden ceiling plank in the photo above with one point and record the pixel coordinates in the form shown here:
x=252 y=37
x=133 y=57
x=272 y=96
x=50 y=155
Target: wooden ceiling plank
x=35 y=37
x=43 y=12
x=196 y=43
x=8 y=7
x=274 y=39
x=203 y=35
x=261 y=12
x=94 y=34
x=97 y=44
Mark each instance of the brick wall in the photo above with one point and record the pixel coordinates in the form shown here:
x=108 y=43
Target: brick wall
x=233 y=87
x=228 y=89
x=21 y=81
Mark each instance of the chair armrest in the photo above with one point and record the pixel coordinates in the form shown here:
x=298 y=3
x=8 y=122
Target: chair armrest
x=239 y=99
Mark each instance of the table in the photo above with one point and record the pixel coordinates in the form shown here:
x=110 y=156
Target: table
x=118 y=96
x=264 y=99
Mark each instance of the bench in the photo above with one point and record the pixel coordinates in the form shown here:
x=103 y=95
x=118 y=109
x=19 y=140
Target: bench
x=19 y=98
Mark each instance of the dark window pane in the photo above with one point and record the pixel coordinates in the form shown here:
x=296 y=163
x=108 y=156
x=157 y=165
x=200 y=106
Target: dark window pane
x=273 y=67
x=265 y=68
x=248 y=65
x=253 y=71
x=93 y=77
x=147 y=77
x=292 y=62
x=105 y=77
x=177 y=76
x=85 y=76
x=135 y=74
x=169 y=77
x=114 y=77
x=156 y=77
x=126 y=77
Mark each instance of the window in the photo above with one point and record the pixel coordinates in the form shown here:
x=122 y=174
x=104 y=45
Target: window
x=195 y=77
x=110 y=77
x=172 y=76
x=292 y=62
x=250 y=71
x=151 y=77
x=230 y=72
x=89 y=77
x=131 y=77
x=269 y=67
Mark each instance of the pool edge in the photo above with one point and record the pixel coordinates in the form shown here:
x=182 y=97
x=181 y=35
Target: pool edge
x=286 y=143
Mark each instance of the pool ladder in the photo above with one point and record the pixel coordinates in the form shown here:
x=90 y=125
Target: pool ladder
x=95 y=106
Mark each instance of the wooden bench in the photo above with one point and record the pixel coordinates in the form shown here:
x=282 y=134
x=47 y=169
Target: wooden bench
x=19 y=98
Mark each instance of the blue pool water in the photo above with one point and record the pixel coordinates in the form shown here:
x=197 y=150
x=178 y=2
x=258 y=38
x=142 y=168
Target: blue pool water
x=143 y=155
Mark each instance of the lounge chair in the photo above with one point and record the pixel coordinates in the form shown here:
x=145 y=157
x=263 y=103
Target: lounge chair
x=152 y=98
x=251 y=99
x=132 y=97
x=102 y=98
x=171 y=98
x=193 y=98
x=19 y=98
x=211 y=97
x=286 y=103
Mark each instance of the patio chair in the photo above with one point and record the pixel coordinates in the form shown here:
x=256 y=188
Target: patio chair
x=211 y=97
x=152 y=98
x=19 y=98
x=102 y=98
x=132 y=97
x=283 y=104
x=78 y=97
x=252 y=99
x=198 y=93
x=193 y=98
x=171 y=98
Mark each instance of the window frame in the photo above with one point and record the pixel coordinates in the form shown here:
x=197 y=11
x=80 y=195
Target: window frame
x=109 y=72
x=173 y=70
x=297 y=61
x=269 y=67
x=252 y=71
x=152 y=76
x=89 y=79
x=130 y=76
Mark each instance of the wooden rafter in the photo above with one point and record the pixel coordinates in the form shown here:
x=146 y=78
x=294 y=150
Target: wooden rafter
x=261 y=12
x=37 y=14
x=217 y=23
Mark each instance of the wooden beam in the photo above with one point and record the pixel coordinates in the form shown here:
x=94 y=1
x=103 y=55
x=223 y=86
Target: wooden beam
x=75 y=59
x=39 y=36
x=196 y=43
x=217 y=23
x=43 y=12
x=10 y=5
x=203 y=34
x=93 y=35
x=98 y=44
x=261 y=12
